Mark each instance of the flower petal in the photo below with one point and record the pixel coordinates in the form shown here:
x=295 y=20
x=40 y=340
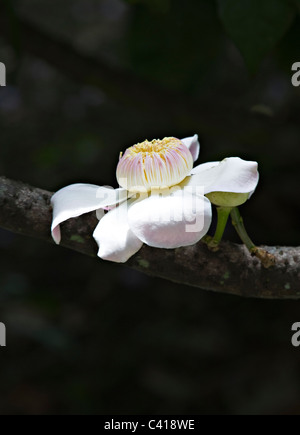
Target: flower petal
x=56 y=234
x=170 y=220
x=230 y=175
x=193 y=145
x=114 y=237
x=100 y=213
x=77 y=199
x=204 y=167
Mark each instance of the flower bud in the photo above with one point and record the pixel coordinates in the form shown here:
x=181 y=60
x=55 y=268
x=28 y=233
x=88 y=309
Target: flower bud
x=227 y=199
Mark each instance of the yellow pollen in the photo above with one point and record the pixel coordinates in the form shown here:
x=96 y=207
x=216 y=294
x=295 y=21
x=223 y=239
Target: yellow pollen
x=155 y=146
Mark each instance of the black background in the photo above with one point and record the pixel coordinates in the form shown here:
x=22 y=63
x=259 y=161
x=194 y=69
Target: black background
x=86 y=336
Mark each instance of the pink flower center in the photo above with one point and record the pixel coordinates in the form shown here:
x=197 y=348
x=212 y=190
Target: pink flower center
x=154 y=165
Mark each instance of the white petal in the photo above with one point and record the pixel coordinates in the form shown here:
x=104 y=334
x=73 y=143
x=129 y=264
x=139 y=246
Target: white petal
x=56 y=234
x=230 y=175
x=114 y=237
x=204 y=167
x=170 y=220
x=77 y=199
x=100 y=213
x=193 y=145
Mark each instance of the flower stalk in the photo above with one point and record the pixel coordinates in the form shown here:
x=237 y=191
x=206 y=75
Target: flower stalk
x=223 y=215
x=265 y=257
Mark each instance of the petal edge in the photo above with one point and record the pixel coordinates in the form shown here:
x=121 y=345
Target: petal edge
x=192 y=143
x=114 y=237
x=77 y=199
x=167 y=221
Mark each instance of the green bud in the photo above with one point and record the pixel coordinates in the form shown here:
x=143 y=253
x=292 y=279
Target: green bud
x=227 y=199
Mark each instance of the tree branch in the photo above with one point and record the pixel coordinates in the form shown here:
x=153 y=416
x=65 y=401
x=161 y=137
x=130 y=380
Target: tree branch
x=26 y=210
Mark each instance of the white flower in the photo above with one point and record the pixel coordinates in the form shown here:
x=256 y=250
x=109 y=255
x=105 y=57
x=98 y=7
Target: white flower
x=161 y=200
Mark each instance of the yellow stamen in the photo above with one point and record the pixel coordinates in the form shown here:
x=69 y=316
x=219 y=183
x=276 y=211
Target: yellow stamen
x=156 y=164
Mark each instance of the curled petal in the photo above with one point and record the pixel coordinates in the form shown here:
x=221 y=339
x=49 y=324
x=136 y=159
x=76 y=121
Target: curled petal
x=56 y=234
x=77 y=199
x=230 y=175
x=114 y=237
x=193 y=145
x=170 y=220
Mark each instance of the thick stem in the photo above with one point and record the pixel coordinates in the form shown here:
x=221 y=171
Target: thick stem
x=223 y=215
x=265 y=257
x=238 y=224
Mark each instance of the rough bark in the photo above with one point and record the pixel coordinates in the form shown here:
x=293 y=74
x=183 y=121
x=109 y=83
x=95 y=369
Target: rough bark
x=26 y=210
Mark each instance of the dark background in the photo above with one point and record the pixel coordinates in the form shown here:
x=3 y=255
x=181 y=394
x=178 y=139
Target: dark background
x=87 y=336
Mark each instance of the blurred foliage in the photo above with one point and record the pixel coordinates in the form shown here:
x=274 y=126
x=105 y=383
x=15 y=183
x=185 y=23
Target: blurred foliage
x=297 y=3
x=14 y=25
x=157 y=42
x=256 y=26
x=288 y=47
x=161 y=6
